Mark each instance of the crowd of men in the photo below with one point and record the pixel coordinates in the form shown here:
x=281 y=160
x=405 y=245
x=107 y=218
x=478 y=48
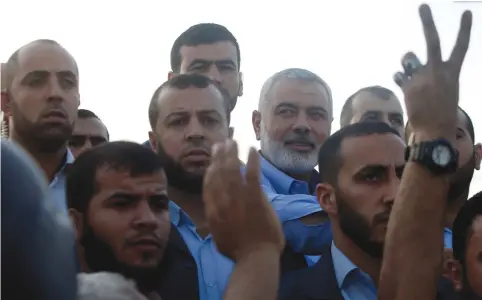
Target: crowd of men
x=386 y=216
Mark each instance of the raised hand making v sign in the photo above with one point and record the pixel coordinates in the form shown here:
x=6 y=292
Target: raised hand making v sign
x=432 y=90
x=243 y=224
x=412 y=258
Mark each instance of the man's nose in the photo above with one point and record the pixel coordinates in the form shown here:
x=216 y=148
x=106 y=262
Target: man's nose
x=194 y=130
x=146 y=218
x=214 y=74
x=54 y=90
x=302 y=125
x=87 y=145
x=392 y=190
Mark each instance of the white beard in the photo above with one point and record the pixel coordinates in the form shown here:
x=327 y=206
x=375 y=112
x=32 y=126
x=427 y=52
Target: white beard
x=287 y=159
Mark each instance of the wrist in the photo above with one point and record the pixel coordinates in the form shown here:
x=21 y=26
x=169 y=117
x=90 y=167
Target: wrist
x=421 y=136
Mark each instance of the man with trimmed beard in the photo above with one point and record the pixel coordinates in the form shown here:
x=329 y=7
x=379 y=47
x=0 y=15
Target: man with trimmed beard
x=41 y=99
x=188 y=115
x=211 y=50
x=117 y=197
x=292 y=121
x=360 y=169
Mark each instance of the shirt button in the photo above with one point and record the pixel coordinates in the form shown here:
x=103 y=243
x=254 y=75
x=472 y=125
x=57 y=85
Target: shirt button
x=210 y=284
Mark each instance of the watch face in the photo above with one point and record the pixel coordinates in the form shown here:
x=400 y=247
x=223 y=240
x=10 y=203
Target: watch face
x=441 y=155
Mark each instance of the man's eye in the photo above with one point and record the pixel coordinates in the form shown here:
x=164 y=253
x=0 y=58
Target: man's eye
x=371 y=177
x=36 y=81
x=370 y=118
x=178 y=122
x=397 y=122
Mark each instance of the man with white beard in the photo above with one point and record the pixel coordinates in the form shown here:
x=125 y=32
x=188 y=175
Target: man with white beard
x=292 y=121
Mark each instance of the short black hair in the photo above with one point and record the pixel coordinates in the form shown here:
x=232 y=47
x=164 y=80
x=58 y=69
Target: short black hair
x=181 y=82
x=201 y=34
x=329 y=159
x=469 y=124
x=86 y=114
x=81 y=183
x=347 y=110
x=463 y=225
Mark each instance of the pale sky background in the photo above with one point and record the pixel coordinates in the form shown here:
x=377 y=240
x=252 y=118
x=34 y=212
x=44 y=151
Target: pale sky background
x=123 y=48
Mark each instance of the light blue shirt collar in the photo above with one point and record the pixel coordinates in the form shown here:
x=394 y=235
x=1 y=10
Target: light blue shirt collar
x=69 y=160
x=342 y=265
x=57 y=185
x=448 y=238
x=278 y=179
x=178 y=217
x=174 y=213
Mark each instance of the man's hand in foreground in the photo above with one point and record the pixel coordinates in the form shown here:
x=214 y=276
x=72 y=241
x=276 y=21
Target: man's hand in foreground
x=240 y=218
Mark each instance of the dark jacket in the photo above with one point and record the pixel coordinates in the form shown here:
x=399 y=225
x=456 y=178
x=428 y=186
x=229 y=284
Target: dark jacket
x=319 y=283
x=179 y=270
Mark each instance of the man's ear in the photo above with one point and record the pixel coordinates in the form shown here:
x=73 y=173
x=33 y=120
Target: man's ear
x=78 y=222
x=478 y=155
x=6 y=104
x=256 y=120
x=153 y=141
x=170 y=75
x=241 y=84
x=325 y=194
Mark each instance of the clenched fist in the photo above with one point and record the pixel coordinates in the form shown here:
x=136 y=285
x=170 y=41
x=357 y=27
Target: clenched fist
x=432 y=90
x=240 y=218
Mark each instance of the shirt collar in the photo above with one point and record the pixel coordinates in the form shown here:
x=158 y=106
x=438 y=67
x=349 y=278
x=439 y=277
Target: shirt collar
x=280 y=181
x=66 y=162
x=178 y=217
x=174 y=213
x=342 y=265
x=70 y=157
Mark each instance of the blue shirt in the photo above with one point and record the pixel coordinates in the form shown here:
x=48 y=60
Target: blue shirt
x=213 y=268
x=292 y=200
x=448 y=238
x=354 y=284
x=57 y=186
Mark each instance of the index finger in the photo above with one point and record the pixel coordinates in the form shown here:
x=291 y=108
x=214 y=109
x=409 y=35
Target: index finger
x=463 y=39
x=212 y=184
x=434 y=54
x=253 y=170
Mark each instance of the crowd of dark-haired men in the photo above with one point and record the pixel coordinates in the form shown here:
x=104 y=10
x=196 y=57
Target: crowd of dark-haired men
x=386 y=216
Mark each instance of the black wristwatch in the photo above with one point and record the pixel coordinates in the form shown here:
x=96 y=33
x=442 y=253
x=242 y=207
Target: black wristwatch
x=438 y=156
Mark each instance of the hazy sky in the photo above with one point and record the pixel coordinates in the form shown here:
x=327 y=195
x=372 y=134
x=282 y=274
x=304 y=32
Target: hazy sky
x=123 y=48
